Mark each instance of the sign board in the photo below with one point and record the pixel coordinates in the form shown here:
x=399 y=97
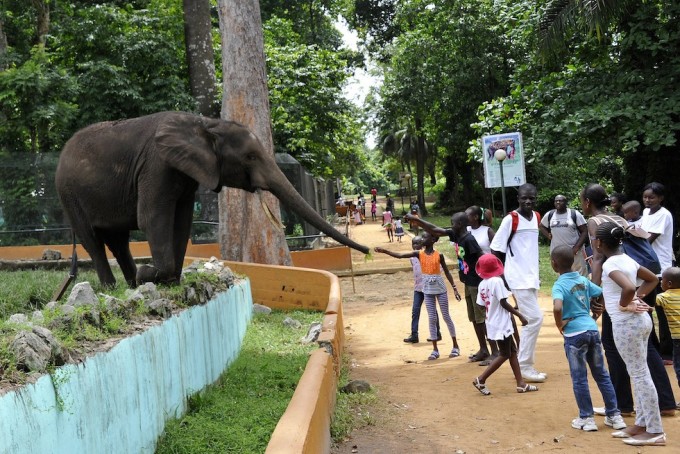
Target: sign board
x=513 y=166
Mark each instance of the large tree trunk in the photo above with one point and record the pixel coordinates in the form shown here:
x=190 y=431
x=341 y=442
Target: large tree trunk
x=245 y=232
x=42 y=8
x=420 y=165
x=200 y=56
x=3 y=44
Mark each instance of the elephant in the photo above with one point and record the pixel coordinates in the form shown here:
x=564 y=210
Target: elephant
x=142 y=173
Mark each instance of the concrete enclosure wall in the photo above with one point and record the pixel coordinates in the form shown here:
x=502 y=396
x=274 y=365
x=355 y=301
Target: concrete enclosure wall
x=119 y=401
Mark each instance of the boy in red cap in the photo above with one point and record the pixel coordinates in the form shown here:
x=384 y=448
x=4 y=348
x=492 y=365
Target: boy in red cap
x=493 y=294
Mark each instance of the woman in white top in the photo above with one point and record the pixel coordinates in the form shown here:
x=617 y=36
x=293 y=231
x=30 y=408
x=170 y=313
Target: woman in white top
x=483 y=233
x=658 y=222
x=631 y=327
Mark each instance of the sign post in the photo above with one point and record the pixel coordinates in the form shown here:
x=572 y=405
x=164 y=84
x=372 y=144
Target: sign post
x=503 y=157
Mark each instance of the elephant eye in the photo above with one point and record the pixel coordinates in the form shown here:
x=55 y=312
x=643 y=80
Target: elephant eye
x=251 y=157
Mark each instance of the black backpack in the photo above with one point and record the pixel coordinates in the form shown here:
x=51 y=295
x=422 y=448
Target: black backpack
x=637 y=248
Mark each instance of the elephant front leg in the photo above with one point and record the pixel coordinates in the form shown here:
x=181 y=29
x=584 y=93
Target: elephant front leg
x=160 y=234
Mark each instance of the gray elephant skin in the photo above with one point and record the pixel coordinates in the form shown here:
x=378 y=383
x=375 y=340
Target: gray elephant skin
x=142 y=173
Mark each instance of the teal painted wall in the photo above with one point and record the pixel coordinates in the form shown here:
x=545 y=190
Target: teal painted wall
x=119 y=401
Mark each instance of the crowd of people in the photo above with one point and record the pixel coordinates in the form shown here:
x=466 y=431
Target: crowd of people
x=614 y=262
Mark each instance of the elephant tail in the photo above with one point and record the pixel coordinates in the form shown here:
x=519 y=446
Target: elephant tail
x=73 y=272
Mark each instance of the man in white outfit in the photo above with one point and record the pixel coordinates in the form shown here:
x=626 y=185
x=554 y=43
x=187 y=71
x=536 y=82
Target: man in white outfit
x=521 y=274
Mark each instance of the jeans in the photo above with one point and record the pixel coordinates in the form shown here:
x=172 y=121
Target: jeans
x=619 y=373
x=582 y=349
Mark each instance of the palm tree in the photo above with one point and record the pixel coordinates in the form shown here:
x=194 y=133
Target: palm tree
x=562 y=16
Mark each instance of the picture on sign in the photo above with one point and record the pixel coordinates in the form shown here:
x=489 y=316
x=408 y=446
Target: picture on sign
x=507 y=146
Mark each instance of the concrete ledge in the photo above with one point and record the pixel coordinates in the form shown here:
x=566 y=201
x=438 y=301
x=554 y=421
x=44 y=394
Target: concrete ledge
x=119 y=401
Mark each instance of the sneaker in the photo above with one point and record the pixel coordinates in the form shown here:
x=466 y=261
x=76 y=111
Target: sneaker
x=411 y=339
x=532 y=376
x=615 y=422
x=600 y=411
x=587 y=424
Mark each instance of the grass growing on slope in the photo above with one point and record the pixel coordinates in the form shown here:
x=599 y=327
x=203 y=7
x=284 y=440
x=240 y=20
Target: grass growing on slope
x=239 y=412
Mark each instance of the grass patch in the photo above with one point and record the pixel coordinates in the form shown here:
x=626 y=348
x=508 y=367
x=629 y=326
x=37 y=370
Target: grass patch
x=240 y=411
x=352 y=411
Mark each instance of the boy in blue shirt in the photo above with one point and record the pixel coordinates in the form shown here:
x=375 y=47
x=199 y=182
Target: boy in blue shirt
x=571 y=307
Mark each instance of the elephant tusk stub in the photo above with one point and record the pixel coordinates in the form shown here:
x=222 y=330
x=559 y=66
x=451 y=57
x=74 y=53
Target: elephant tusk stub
x=275 y=222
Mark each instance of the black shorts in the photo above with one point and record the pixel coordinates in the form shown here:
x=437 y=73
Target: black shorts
x=506 y=347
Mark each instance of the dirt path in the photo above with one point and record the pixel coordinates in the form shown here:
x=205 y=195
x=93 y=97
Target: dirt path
x=431 y=406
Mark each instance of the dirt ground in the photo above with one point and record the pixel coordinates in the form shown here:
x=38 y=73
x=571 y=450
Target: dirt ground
x=431 y=406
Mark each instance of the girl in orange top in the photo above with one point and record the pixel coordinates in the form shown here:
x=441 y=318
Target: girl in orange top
x=434 y=288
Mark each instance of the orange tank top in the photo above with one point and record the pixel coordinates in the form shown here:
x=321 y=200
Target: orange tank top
x=429 y=263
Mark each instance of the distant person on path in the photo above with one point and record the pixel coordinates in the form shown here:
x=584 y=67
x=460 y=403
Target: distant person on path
x=434 y=288
x=467 y=253
x=374 y=194
x=566 y=226
x=389 y=205
x=517 y=239
x=571 y=295
x=387 y=225
x=398 y=229
x=493 y=295
x=418 y=295
x=482 y=232
x=669 y=300
x=631 y=327
x=413 y=225
x=374 y=209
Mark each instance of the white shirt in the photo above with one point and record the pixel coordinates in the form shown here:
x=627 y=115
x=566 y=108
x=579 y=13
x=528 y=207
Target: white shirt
x=611 y=290
x=521 y=270
x=481 y=234
x=660 y=222
x=498 y=321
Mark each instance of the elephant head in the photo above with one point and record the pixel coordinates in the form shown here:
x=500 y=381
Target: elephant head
x=142 y=173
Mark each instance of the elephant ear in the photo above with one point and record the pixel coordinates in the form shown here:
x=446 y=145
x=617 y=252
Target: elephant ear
x=183 y=142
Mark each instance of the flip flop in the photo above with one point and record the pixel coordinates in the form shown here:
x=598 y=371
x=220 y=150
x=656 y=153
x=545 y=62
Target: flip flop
x=527 y=388
x=481 y=387
x=433 y=355
x=659 y=440
x=474 y=358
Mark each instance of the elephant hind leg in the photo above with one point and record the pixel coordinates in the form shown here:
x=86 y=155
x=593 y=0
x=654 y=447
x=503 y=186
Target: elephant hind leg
x=118 y=243
x=94 y=245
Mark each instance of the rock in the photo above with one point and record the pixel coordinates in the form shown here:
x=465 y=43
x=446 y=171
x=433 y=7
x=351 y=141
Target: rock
x=82 y=295
x=38 y=318
x=227 y=276
x=292 y=323
x=312 y=333
x=356 y=386
x=260 y=309
x=51 y=254
x=213 y=265
x=119 y=307
x=18 y=319
x=161 y=307
x=36 y=349
x=190 y=296
x=52 y=305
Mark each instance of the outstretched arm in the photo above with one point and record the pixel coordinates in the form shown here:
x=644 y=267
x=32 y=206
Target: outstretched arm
x=397 y=255
x=428 y=226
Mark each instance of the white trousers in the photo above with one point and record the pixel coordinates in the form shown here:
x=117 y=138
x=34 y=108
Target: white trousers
x=527 y=302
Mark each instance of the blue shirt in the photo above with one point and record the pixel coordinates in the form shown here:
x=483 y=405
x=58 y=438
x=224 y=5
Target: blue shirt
x=575 y=292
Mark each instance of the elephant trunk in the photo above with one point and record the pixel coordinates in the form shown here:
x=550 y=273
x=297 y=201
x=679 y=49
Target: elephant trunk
x=287 y=194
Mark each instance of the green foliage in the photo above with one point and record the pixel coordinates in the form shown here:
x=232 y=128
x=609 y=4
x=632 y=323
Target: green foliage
x=311 y=119
x=264 y=376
